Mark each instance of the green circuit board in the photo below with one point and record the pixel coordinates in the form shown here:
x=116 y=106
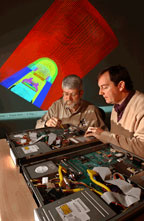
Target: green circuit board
x=107 y=157
x=74 y=171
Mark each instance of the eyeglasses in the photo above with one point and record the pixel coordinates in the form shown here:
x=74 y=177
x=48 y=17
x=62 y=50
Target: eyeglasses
x=70 y=94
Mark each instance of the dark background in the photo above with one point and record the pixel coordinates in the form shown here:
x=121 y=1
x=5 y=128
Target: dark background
x=124 y=17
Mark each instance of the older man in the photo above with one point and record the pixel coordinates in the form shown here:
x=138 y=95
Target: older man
x=71 y=108
x=127 y=118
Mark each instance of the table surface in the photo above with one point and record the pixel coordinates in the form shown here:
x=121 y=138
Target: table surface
x=16 y=201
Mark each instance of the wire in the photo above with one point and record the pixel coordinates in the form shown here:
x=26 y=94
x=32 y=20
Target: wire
x=117 y=175
x=92 y=173
x=72 y=190
x=60 y=169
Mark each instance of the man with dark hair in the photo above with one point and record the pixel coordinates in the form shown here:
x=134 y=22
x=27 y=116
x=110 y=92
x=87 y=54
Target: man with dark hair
x=127 y=117
x=71 y=108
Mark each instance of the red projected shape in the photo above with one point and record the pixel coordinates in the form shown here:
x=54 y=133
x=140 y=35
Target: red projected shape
x=73 y=34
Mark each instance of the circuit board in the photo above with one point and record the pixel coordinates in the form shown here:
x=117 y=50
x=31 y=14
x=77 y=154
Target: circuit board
x=117 y=162
x=74 y=174
x=106 y=158
x=29 y=144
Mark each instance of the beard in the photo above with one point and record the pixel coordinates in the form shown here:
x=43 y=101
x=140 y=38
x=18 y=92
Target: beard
x=71 y=105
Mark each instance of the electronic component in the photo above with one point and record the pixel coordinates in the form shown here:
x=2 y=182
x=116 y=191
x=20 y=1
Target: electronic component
x=119 y=154
x=22 y=152
x=30 y=144
x=83 y=205
x=60 y=178
x=37 y=170
x=137 y=161
x=138 y=179
x=84 y=159
x=125 y=168
x=81 y=139
x=72 y=168
x=72 y=176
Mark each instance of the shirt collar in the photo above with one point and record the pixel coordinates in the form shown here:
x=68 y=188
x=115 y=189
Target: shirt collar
x=119 y=108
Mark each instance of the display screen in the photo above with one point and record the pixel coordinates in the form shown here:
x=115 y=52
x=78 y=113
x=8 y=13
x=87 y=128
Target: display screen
x=73 y=36
x=34 y=81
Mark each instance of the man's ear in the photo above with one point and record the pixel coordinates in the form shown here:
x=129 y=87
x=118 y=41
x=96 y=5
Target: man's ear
x=81 y=93
x=121 y=85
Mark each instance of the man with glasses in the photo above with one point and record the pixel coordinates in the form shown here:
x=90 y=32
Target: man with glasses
x=71 y=108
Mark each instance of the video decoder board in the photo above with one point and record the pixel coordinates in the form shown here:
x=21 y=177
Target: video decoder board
x=106 y=182
x=40 y=143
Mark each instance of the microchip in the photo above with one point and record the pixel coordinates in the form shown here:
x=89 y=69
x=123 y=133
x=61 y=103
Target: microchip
x=84 y=159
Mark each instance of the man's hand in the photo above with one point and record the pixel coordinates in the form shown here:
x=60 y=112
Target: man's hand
x=53 y=122
x=93 y=131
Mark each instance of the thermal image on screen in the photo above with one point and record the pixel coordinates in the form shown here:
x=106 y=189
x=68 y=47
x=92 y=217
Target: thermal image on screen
x=70 y=38
x=33 y=82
